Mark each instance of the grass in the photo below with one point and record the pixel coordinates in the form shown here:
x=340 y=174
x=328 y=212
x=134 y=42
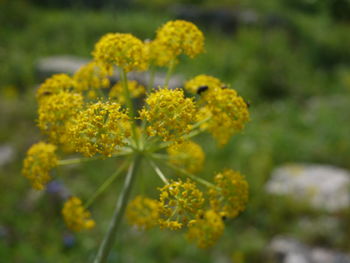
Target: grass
x=298 y=107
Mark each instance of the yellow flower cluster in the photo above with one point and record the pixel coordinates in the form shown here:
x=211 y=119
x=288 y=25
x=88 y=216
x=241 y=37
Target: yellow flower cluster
x=158 y=53
x=72 y=118
x=136 y=90
x=40 y=159
x=232 y=196
x=76 y=216
x=169 y=114
x=100 y=128
x=202 y=83
x=91 y=77
x=143 y=212
x=55 y=112
x=206 y=229
x=179 y=202
x=181 y=37
x=122 y=50
x=187 y=155
x=55 y=84
x=229 y=113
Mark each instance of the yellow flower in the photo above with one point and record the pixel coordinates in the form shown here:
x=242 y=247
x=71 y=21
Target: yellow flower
x=55 y=112
x=55 y=84
x=101 y=128
x=202 y=83
x=123 y=50
x=206 y=229
x=188 y=155
x=75 y=215
x=143 y=212
x=228 y=111
x=232 y=197
x=179 y=202
x=181 y=37
x=40 y=159
x=136 y=90
x=159 y=54
x=92 y=76
x=169 y=114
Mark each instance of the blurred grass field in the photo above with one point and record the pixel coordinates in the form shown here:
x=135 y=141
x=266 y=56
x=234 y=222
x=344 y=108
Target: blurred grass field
x=297 y=80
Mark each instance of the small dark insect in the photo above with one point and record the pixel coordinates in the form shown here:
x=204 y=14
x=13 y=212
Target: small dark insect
x=224 y=87
x=248 y=103
x=201 y=89
x=223 y=218
x=201 y=216
x=46 y=93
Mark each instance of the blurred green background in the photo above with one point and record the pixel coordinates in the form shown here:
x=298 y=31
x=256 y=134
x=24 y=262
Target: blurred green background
x=289 y=58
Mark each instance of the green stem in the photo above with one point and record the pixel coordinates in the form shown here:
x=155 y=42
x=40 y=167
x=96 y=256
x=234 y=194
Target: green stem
x=129 y=104
x=121 y=204
x=158 y=172
x=192 y=176
x=83 y=160
x=170 y=72
x=105 y=185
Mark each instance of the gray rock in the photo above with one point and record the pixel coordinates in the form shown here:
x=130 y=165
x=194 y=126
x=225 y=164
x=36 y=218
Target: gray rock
x=6 y=154
x=70 y=64
x=289 y=250
x=322 y=186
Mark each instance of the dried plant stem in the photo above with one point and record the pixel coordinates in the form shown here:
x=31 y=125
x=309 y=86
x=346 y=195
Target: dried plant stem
x=109 y=238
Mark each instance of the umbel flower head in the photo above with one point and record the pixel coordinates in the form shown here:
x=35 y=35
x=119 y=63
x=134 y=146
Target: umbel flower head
x=179 y=202
x=101 y=128
x=91 y=77
x=76 y=216
x=55 y=84
x=56 y=111
x=147 y=125
x=143 y=212
x=231 y=195
x=181 y=37
x=122 y=50
x=40 y=159
x=206 y=229
x=169 y=114
x=188 y=155
x=159 y=53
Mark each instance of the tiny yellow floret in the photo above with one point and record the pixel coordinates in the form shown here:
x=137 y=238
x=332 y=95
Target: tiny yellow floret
x=40 y=159
x=77 y=218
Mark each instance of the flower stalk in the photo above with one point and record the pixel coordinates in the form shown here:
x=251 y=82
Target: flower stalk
x=108 y=241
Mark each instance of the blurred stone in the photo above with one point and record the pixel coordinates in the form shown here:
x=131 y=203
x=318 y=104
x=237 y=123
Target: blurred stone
x=7 y=154
x=322 y=186
x=290 y=250
x=48 y=66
